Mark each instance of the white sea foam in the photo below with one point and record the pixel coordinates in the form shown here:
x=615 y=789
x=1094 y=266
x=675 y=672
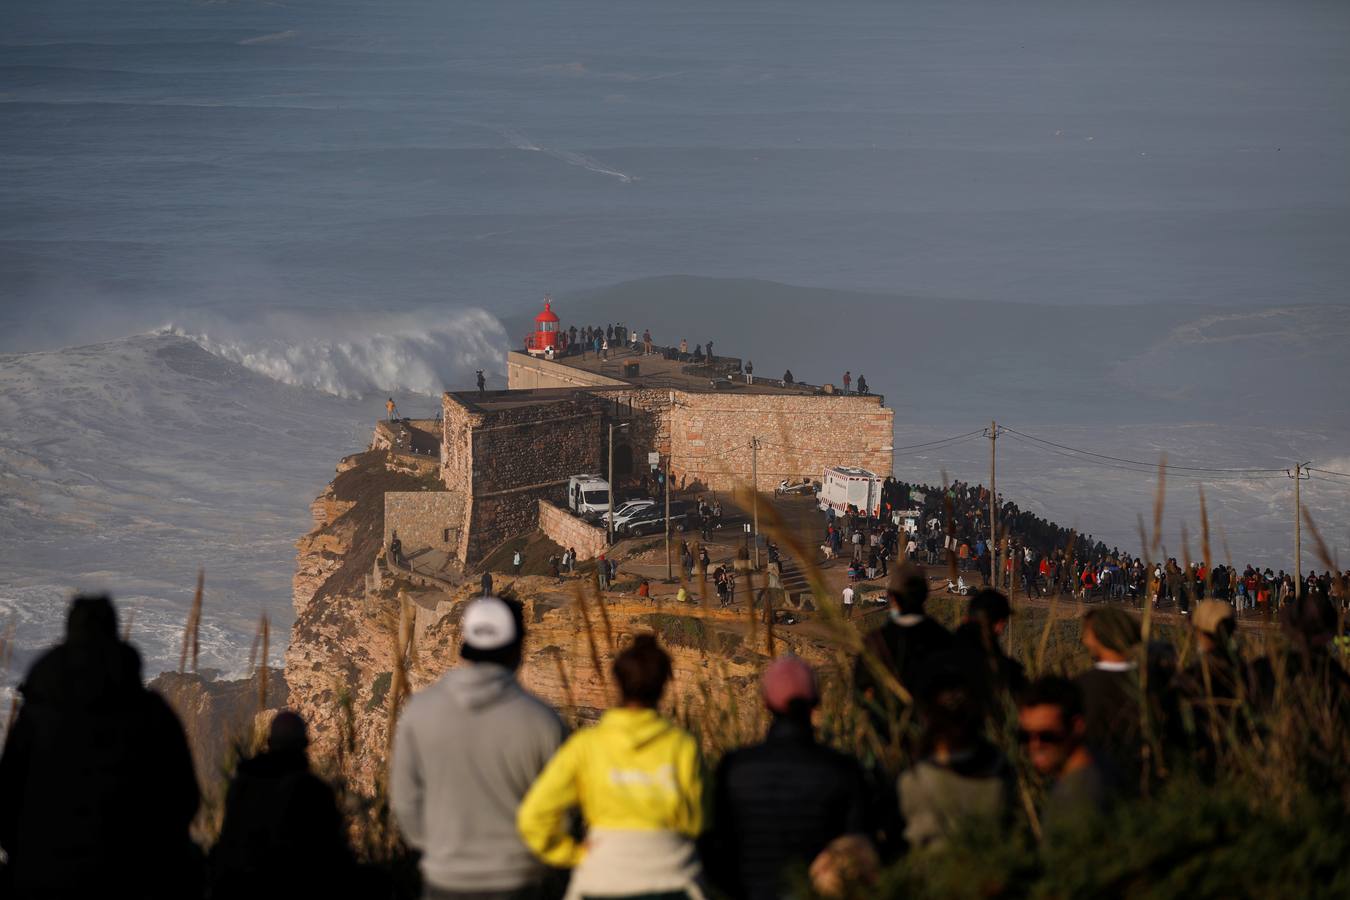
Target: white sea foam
x=269 y=38
x=361 y=354
x=521 y=142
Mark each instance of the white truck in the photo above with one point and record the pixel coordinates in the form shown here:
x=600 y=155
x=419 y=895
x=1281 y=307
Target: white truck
x=845 y=486
x=588 y=495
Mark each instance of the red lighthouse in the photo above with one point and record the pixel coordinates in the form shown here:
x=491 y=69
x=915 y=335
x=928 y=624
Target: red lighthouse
x=545 y=337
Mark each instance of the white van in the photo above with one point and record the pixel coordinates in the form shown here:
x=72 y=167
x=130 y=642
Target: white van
x=845 y=486
x=587 y=495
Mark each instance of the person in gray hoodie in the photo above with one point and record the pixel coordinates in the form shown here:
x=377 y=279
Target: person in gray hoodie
x=466 y=750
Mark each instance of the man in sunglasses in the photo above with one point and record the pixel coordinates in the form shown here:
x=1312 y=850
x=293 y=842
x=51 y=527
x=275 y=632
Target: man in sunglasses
x=1053 y=731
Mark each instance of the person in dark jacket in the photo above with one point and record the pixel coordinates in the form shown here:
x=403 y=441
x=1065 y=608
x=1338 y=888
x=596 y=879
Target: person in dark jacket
x=1111 y=689
x=283 y=835
x=779 y=803
x=1053 y=732
x=905 y=644
x=97 y=788
x=994 y=676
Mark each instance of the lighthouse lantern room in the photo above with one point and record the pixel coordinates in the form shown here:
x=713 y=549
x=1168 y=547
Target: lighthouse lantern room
x=544 y=341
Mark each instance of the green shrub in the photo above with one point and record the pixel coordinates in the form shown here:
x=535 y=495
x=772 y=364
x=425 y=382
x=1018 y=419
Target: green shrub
x=1190 y=841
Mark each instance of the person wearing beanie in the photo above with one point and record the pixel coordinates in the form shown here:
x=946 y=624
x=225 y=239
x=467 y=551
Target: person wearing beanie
x=637 y=780
x=1110 y=689
x=905 y=644
x=97 y=788
x=282 y=835
x=780 y=803
x=467 y=749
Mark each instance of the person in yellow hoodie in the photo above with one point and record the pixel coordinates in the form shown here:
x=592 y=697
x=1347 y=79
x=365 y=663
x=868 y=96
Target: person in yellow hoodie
x=638 y=782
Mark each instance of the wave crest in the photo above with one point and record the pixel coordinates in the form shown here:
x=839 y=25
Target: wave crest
x=360 y=355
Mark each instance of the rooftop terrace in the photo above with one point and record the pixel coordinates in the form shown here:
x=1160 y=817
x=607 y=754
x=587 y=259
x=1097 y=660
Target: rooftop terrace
x=662 y=369
x=499 y=401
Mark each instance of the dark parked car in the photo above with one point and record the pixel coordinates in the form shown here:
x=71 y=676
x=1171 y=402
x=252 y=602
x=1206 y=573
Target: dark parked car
x=653 y=519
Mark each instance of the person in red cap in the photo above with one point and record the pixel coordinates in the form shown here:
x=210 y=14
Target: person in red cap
x=778 y=804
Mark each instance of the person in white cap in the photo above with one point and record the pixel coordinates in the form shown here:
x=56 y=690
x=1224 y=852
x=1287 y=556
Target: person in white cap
x=466 y=750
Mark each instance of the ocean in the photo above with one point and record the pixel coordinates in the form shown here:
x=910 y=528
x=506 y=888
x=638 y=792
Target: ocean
x=232 y=228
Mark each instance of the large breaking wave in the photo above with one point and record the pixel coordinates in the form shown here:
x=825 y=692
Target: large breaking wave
x=354 y=355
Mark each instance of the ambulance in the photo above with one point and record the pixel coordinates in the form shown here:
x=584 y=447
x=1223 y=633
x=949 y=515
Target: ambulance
x=845 y=486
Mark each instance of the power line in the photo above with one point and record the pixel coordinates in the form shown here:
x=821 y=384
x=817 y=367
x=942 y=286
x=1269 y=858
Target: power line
x=1146 y=468
x=979 y=432
x=1136 y=462
x=979 y=435
x=1328 y=472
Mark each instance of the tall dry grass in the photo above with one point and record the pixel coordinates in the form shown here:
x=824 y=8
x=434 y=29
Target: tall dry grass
x=1279 y=753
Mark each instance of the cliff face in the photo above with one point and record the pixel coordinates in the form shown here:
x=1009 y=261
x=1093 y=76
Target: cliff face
x=219 y=714
x=340 y=664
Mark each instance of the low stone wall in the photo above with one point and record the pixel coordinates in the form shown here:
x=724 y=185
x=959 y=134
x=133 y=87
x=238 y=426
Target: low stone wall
x=422 y=519
x=566 y=530
x=524 y=372
x=505 y=514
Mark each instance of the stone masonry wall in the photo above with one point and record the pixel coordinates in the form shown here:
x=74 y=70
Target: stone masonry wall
x=524 y=372
x=566 y=530
x=457 y=464
x=521 y=455
x=799 y=437
x=647 y=412
x=421 y=518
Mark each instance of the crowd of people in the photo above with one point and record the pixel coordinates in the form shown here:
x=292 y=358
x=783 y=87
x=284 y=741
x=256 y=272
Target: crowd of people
x=500 y=802
x=1036 y=558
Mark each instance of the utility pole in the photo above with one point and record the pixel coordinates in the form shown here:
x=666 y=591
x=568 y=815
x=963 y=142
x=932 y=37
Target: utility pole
x=609 y=520
x=993 y=503
x=754 y=483
x=609 y=525
x=669 y=574
x=1299 y=474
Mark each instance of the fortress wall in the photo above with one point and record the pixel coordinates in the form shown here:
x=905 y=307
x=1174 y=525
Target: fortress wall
x=524 y=371
x=457 y=464
x=647 y=410
x=566 y=530
x=520 y=456
x=456 y=456
x=533 y=444
x=421 y=519
x=799 y=436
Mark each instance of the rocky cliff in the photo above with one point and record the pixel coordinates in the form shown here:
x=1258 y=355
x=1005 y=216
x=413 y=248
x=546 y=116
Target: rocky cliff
x=220 y=715
x=343 y=661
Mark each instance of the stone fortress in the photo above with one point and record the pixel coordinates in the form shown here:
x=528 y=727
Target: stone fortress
x=505 y=455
